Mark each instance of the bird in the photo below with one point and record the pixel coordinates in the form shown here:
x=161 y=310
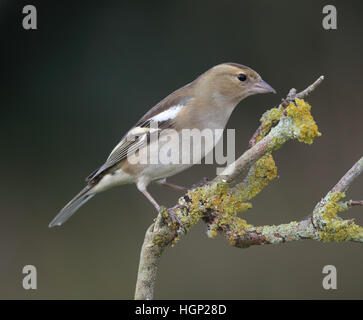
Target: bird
x=205 y=103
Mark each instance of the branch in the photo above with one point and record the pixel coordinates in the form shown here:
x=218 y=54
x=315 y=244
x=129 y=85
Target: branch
x=301 y=95
x=308 y=90
x=217 y=202
x=349 y=177
x=150 y=253
x=323 y=224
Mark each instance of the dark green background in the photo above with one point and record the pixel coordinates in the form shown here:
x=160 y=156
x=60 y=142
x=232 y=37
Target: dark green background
x=72 y=88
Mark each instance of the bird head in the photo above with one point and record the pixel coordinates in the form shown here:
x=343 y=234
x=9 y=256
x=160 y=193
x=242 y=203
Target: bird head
x=232 y=82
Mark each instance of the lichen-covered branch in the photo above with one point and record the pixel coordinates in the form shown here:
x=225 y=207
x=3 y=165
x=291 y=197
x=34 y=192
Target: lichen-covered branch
x=220 y=202
x=323 y=224
x=150 y=253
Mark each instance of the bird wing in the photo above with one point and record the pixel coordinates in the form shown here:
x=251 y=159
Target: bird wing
x=163 y=114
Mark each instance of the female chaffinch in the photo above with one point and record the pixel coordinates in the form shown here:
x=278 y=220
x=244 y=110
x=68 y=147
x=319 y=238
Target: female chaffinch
x=205 y=103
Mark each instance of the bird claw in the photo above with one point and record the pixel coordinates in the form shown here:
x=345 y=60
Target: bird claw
x=175 y=219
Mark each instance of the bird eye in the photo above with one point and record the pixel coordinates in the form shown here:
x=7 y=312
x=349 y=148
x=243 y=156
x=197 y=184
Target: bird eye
x=242 y=77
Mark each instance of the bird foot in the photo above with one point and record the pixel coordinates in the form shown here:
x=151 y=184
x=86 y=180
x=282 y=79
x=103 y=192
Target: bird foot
x=175 y=219
x=172 y=185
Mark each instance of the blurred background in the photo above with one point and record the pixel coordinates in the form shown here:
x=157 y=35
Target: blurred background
x=73 y=87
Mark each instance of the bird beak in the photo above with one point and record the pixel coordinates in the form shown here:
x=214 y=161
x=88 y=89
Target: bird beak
x=262 y=87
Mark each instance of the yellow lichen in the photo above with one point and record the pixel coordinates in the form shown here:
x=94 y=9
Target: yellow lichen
x=341 y=230
x=159 y=241
x=333 y=227
x=305 y=127
x=268 y=120
x=216 y=198
x=295 y=121
x=331 y=206
x=263 y=171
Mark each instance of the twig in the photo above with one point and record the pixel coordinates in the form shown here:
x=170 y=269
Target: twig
x=356 y=203
x=309 y=89
x=349 y=177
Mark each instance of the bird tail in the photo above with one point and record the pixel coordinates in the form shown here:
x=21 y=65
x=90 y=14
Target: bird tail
x=72 y=206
